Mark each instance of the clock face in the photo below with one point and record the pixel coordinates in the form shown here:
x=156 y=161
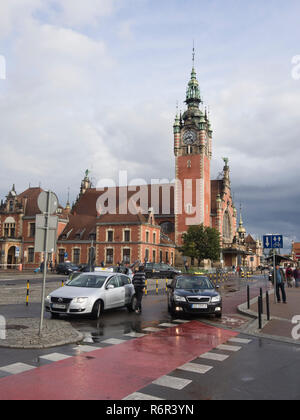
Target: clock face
x=189 y=137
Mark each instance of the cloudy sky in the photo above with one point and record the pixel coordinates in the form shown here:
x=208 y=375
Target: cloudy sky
x=94 y=84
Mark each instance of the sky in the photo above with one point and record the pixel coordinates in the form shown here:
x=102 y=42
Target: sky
x=94 y=85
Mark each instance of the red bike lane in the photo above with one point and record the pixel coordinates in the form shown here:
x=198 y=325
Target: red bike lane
x=115 y=372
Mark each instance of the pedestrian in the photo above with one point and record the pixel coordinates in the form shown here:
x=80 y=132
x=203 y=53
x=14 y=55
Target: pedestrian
x=42 y=266
x=51 y=266
x=289 y=276
x=138 y=281
x=186 y=266
x=280 y=286
x=296 y=274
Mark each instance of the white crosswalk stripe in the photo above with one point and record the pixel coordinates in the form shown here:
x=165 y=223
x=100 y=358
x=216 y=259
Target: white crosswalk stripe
x=55 y=357
x=239 y=340
x=139 y=396
x=195 y=368
x=172 y=382
x=152 y=329
x=214 y=356
x=16 y=368
x=113 y=341
x=228 y=348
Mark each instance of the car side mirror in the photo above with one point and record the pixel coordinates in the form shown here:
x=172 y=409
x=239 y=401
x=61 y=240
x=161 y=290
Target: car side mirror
x=110 y=287
x=217 y=287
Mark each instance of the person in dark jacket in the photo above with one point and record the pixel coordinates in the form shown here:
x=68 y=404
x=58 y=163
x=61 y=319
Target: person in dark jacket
x=138 y=281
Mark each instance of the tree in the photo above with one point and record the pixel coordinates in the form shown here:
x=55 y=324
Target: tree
x=202 y=243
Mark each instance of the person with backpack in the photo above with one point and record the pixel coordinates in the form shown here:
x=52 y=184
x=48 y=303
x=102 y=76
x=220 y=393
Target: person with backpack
x=280 y=283
x=138 y=282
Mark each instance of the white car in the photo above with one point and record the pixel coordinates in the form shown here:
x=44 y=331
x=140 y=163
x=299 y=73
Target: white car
x=92 y=293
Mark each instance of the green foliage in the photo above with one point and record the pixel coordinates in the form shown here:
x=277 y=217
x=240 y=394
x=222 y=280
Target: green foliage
x=202 y=243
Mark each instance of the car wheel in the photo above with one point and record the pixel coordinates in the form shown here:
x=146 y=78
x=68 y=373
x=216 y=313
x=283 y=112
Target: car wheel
x=97 y=309
x=132 y=306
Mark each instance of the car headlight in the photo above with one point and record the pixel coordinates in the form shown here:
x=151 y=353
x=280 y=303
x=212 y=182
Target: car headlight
x=216 y=299
x=48 y=298
x=80 y=300
x=179 y=298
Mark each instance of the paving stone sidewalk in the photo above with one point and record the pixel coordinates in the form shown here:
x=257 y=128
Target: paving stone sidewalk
x=280 y=325
x=23 y=333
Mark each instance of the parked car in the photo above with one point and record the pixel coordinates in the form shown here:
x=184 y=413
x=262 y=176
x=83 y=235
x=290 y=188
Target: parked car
x=91 y=294
x=66 y=268
x=160 y=270
x=193 y=294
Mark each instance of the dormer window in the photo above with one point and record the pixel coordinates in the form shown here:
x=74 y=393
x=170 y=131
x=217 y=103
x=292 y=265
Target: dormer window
x=11 y=206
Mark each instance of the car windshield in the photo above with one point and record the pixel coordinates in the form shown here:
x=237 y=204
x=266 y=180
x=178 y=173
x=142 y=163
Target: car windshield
x=193 y=283
x=87 y=280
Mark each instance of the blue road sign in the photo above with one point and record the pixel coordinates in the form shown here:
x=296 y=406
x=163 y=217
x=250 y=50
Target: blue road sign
x=273 y=241
x=277 y=241
x=267 y=240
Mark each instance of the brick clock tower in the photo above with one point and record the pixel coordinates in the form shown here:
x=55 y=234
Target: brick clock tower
x=193 y=152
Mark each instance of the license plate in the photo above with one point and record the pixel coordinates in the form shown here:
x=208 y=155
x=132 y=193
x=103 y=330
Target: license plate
x=58 y=306
x=199 y=306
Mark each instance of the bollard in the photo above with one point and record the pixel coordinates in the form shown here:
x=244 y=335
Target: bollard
x=259 y=312
x=268 y=305
x=261 y=295
x=166 y=285
x=146 y=287
x=248 y=295
x=62 y=283
x=27 y=293
x=156 y=288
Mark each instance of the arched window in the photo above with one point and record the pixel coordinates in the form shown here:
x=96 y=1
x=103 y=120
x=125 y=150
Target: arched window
x=167 y=227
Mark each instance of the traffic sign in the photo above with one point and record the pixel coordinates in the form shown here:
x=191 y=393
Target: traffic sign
x=277 y=241
x=273 y=241
x=267 y=240
x=46 y=206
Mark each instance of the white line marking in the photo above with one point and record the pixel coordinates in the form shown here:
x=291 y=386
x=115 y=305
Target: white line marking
x=180 y=321
x=228 y=348
x=167 y=324
x=152 y=329
x=214 y=356
x=138 y=396
x=113 y=341
x=16 y=368
x=172 y=382
x=239 y=340
x=195 y=368
x=55 y=357
x=85 y=349
x=135 y=334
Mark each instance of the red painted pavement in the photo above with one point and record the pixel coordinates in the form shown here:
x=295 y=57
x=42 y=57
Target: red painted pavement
x=114 y=372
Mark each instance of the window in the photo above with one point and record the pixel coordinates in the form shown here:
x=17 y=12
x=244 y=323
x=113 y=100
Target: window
x=167 y=257
x=160 y=256
x=61 y=256
x=126 y=256
x=127 y=236
x=31 y=230
x=110 y=236
x=147 y=237
x=11 y=206
x=76 y=256
x=167 y=227
x=9 y=230
x=154 y=237
x=30 y=255
x=227 y=226
x=109 y=256
x=154 y=256
x=114 y=281
x=147 y=255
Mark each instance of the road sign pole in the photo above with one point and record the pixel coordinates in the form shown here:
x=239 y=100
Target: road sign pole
x=275 y=277
x=47 y=214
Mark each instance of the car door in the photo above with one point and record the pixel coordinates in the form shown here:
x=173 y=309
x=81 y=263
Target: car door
x=115 y=296
x=128 y=290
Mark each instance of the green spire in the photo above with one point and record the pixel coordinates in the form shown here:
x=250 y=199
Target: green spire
x=193 y=97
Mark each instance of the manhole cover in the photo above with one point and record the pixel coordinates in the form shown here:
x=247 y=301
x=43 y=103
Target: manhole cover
x=16 y=327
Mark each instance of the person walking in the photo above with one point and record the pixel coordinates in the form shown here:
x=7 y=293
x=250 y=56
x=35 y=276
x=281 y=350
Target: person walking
x=296 y=274
x=138 y=282
x=289 y=276
x=280 y=286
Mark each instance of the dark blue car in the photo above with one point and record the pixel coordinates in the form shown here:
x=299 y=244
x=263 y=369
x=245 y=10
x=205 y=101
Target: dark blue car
x=193 y=294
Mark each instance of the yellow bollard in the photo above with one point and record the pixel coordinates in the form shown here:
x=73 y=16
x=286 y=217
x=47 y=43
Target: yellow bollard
x=166 y=285
x=27 y=293
x=156 y=286
x=146 y=285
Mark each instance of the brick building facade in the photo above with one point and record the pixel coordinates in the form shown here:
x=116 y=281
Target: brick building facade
x=146 y=222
